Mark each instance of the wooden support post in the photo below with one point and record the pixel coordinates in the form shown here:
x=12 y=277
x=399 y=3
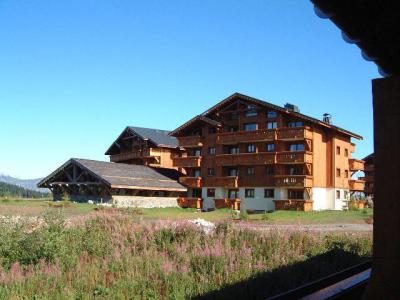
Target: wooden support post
x=384 y=282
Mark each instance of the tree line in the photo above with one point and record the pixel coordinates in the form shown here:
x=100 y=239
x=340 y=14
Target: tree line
x=12 y=190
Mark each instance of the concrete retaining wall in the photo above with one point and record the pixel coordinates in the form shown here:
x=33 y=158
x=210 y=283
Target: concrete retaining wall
x=144 y=202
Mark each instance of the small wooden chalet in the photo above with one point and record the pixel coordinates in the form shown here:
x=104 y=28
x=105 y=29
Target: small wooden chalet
x=144 y=146
x=100 y=181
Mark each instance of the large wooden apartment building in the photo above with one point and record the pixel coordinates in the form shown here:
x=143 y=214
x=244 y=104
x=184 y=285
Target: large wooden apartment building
x=247 y=152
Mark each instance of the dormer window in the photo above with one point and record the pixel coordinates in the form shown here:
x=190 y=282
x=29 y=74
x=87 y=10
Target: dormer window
x=271 y=114
x=296 y=124
x=251 y=110
x=234 y=116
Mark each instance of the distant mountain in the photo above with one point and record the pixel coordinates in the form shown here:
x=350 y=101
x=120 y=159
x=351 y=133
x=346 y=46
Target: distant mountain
x=12 y=190
x=30 y=184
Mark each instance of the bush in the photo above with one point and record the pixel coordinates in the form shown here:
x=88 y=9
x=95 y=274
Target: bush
x=244 y=215
x=353 y=205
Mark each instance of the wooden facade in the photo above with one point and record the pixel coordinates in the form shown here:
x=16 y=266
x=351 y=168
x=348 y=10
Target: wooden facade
x=246 y=143
x=144 y=146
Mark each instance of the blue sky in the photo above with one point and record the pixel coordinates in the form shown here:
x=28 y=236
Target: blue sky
x=74 y=73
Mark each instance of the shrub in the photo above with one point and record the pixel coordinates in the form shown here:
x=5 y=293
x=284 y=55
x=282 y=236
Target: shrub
x=353 y=205
x=244 y=215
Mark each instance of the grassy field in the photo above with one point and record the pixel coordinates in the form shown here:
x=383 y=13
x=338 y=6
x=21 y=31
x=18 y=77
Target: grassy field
x=38 y=207
x=113 y=256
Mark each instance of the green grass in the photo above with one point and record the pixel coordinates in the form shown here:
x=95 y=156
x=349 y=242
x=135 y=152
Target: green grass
x=37 y=207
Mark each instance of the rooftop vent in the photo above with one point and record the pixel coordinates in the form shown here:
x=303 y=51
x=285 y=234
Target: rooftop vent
x=327 y=118
x=291 y=107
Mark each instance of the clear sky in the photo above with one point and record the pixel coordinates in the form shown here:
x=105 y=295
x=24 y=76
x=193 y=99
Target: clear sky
x=74 y=73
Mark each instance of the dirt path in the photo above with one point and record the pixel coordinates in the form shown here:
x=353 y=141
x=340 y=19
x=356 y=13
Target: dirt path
x=308 y=228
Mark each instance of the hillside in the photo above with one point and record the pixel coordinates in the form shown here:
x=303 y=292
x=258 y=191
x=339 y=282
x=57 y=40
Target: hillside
x=12 y=190
x=30 y=184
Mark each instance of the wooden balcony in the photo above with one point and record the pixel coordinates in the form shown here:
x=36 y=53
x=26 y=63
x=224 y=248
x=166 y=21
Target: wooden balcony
x=356 y=185
x=293 y=180
x=294 y=133
x=294 y=204
x=186 y=202
x=260 y=135
x=226 y=181
x=227 y=203
x=125 y=156
x=356 y=164
x=245 y=159
x=294 y=157
x=188 y=161
x=192 y=182
x=191 y=141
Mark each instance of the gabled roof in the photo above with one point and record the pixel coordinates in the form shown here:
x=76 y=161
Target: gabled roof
x=123 y=175
x=282 y=110
x=158 y=137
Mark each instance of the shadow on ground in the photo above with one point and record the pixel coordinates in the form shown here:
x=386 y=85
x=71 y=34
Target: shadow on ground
x=282 y=279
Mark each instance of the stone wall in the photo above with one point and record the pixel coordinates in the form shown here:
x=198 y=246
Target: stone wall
x=144 y=202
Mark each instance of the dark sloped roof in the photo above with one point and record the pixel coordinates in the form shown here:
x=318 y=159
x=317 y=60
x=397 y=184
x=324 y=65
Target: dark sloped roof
x=268 y=105
x=126 y=176
x=157 y=136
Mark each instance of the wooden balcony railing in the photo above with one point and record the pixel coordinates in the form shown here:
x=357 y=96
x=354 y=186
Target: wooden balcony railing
x=293 y=180
x=125 y=156
x=293 y=204
x=260 y=158
x=188 y=161
x=191 y=141
x=227 y=203
x=356 y=164
x=246 y=136
x=297 y=133
x=356 y=185
x=292 y=157
x=226 y=181
x=193 y=182
x=186 y=202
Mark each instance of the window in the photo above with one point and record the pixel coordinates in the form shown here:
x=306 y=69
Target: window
x=296 y=124
x=210 y=192
x=251 y=110
x=346 y=173
x=211 y=172
x=251 y=171
x=272 y=114
x=251 y=148
x=233 y=128
x=337 y=150
x=212 y=130
x=272 y=125
x=294 y=170
x=249 y=193
x=197 y=152
x=296 y=194
x=346 y=152
x=270 y=147
x=337 y=194
x=269 y=170
x=269 y=193
x=234 y=116
x=233 y=194
x=297 y=147
x=337 y=172
x=197 y=173
x=234 y=150
x=250 y=127
x=211 y=150
x=196 y=132
x=233 y=172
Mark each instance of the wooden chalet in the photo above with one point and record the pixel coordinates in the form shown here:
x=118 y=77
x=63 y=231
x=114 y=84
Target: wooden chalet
x=251 y=153
x=369 y=175
x=100 y=181
x=144 y=146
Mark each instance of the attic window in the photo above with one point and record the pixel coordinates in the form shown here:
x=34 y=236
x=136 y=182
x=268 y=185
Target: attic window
x=251 y=110
x=272 y=114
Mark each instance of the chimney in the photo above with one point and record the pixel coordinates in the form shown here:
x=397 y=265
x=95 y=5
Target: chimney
x=327 y=118
x=291 y=107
